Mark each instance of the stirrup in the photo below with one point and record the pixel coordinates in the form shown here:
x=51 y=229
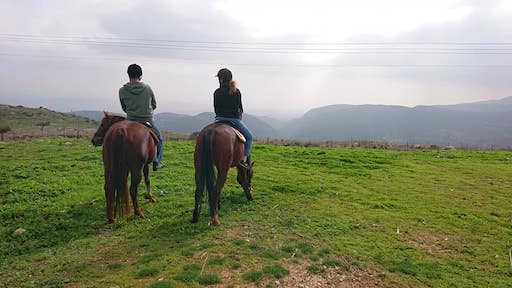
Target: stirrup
x=158 y=166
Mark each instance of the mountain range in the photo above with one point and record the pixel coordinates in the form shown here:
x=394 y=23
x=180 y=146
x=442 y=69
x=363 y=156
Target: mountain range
x=482 y=124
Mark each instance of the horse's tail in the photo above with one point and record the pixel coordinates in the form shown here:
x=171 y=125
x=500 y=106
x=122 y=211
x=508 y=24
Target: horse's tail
x=207 y=172
x=119 y=175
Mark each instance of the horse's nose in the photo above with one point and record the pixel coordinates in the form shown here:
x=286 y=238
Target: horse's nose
x=96 y=142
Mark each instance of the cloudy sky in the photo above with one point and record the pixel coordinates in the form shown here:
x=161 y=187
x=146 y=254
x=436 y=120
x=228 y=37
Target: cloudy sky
x=287 y=56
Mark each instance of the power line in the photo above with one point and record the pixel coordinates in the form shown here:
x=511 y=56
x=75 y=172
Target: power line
x=129 y=44
x=266 y=50
x=256 y=42
x=89 y=58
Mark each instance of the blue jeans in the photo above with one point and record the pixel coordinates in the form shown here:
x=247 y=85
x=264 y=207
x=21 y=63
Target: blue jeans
x=160 y=144
x=242 y=128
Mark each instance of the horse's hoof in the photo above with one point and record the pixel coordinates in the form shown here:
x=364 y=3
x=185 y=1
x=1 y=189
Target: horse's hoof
x=194 y=220
x=215 y=223
x=111 y=220
x=140 y=214
x=152 y=200
x=250 y=198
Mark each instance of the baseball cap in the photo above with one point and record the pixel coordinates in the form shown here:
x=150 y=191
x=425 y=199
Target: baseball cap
x=224 y=74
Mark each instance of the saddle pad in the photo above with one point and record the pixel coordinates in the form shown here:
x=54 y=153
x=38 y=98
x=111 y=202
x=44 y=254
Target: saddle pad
x=239 y=135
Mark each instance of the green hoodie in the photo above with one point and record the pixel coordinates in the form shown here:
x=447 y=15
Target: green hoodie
x=138 y=101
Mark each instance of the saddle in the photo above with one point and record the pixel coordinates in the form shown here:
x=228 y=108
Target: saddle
x=239 y=134
x=152 y=131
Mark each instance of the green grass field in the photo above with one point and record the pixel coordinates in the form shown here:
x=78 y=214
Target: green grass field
x=321 y=217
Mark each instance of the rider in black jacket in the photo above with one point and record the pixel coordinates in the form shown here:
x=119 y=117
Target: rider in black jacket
x=227 y=101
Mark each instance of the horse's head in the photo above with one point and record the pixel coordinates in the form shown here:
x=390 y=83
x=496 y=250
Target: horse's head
x=244 y=178
x=107 y=121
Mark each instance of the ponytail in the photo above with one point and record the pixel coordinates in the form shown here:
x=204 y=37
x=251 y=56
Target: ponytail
x=232 y=87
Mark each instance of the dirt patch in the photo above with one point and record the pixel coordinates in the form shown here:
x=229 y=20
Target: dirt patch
x=331 y=277
x=300 y=277
x=432 y=243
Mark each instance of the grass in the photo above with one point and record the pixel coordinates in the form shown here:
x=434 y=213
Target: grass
x=414 y=218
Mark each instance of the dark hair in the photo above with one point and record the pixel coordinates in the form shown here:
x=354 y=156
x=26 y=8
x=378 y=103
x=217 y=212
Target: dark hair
x=134 y=71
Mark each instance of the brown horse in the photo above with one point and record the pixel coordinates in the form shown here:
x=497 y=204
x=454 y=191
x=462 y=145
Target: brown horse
x=218 y=144
x=128 y=147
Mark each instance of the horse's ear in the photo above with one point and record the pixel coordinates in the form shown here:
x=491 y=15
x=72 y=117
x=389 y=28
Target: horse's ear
x=252 y=164
x=105 y=113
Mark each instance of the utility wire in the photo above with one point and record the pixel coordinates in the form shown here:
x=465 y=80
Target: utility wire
x=253 y=43
x=263 y=65
x=266 y=50
x=305 y=48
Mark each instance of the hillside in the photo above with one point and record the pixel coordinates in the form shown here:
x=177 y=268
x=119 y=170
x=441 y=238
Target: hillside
x=320 y=218
x=29 y=122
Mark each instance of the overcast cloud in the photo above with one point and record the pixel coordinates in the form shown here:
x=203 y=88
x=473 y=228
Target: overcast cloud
x=72 y=55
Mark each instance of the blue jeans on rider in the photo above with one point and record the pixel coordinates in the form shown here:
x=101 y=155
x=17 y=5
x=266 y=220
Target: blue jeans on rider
x=159 y=146
x=242 y=128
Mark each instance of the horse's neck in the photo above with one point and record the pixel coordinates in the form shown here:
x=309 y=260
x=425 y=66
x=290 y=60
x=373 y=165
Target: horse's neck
x=118 y=119
x=114 y=121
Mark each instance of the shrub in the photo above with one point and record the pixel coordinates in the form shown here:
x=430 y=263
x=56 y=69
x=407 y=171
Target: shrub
x=253 y=276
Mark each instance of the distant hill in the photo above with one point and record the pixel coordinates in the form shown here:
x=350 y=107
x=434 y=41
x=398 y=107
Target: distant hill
x=502 y=105
x=423 y=125
x=273 y=122
x=91 y=114
x=190 y=124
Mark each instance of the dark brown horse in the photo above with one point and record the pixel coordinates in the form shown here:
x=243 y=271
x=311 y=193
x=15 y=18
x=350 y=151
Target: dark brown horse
x=128 y=147
x=218 y=144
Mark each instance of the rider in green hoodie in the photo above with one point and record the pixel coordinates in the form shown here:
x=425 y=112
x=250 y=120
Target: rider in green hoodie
x=138 y=101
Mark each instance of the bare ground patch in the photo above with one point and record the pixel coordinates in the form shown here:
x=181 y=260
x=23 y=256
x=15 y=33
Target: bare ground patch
x=432 y=243
x=340 y=276
x=300 y=277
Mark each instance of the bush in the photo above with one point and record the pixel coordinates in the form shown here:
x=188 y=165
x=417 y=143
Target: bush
x=253 y=276
x=276 y=270
x=208 y=279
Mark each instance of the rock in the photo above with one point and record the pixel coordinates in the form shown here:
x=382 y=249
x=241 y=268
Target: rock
x=449 y=147
x=19 y=231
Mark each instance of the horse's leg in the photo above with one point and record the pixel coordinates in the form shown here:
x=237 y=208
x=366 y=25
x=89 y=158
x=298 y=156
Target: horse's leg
x=198 y=196
x=221 y=179
x=149 y=195
x=109 y=191
x=135 y=181
x=124 y=190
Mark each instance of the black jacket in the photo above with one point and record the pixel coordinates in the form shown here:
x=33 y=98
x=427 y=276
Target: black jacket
x=227 y=105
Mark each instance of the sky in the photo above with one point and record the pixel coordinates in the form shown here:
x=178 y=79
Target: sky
x=287 y=56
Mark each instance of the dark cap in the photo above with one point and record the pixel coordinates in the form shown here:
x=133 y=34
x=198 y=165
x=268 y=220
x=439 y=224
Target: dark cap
x=225 y=74
x=134 y=71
